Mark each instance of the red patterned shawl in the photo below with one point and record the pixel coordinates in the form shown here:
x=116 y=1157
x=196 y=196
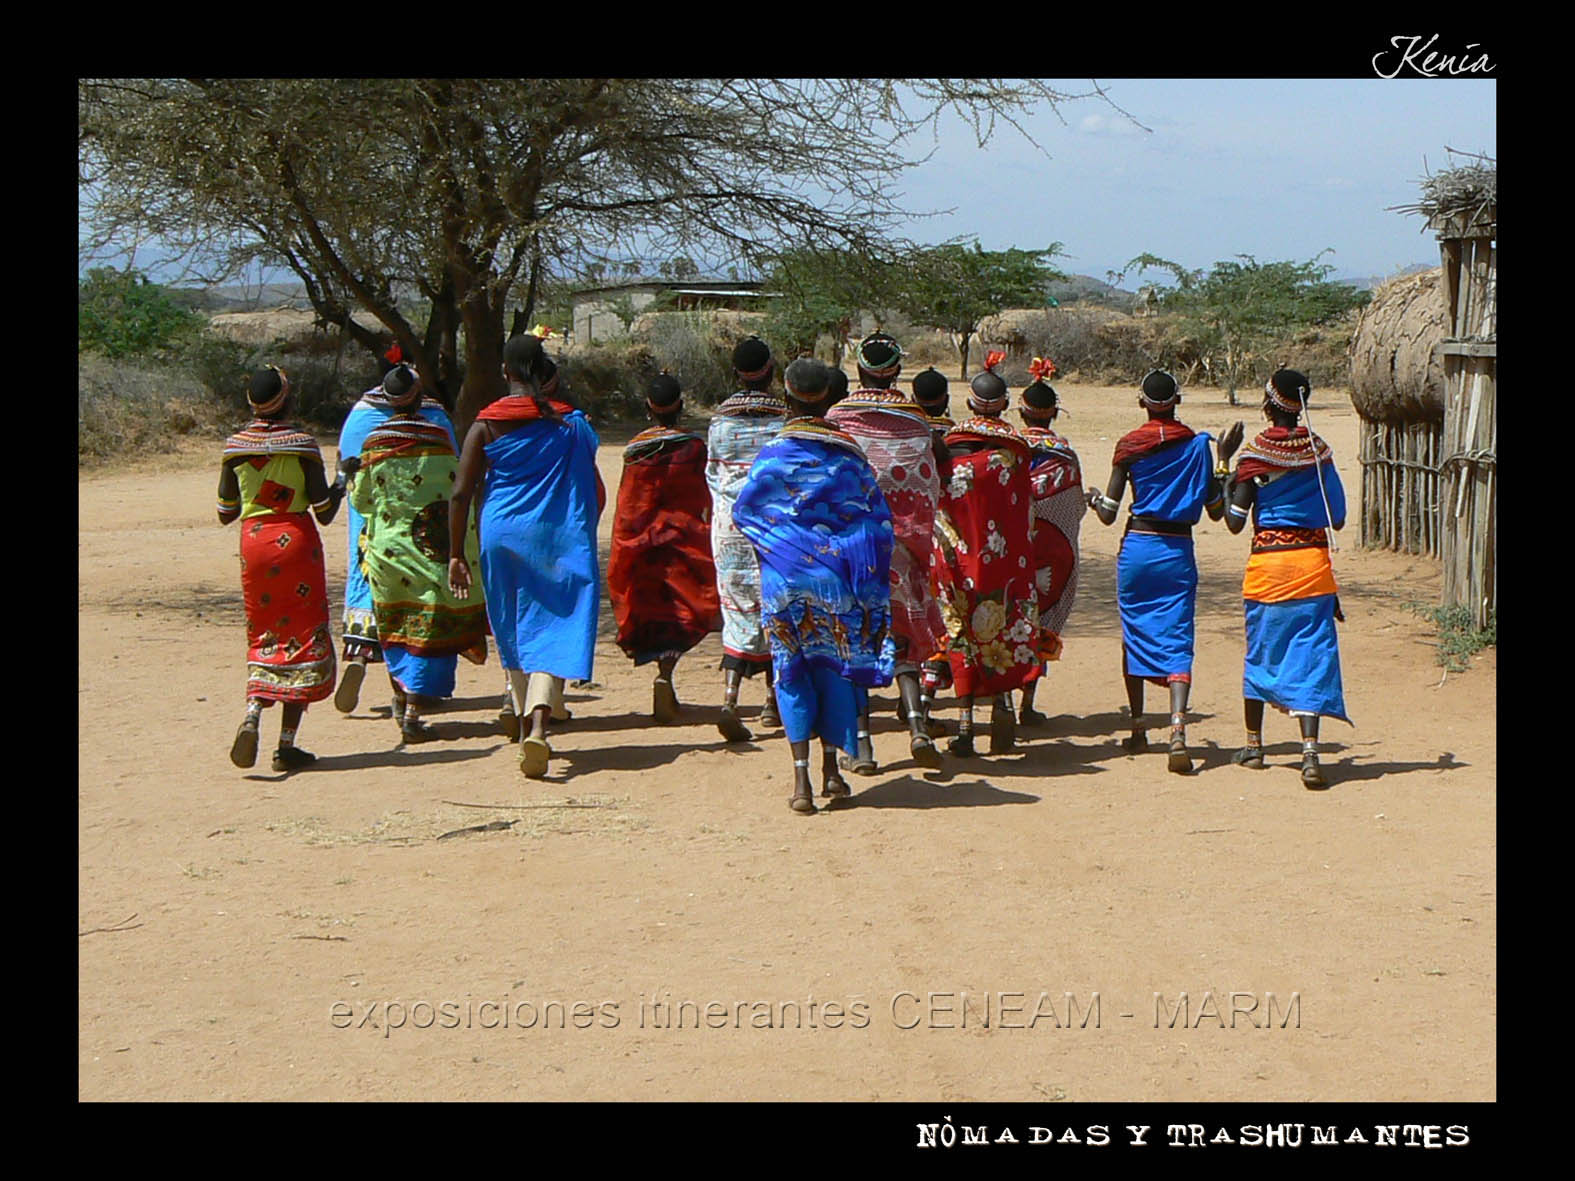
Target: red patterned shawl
x=660 y=577
x=895 y=436
x=984 y=571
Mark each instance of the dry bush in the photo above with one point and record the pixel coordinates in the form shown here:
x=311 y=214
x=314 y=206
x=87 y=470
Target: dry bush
x=1068 y=336
x=131 y=406
x=927 y=348
x=1323 y=353
x=289 y=330
x=608 y=379
x=142 y=404
x=696 y=348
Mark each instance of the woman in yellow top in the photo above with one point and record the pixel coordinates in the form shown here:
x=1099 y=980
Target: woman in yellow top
x=271 y=475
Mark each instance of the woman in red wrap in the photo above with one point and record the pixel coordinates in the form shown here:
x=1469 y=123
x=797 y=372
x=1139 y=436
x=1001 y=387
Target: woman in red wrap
x=985 y=562
x=661 y=578
x=271 y=476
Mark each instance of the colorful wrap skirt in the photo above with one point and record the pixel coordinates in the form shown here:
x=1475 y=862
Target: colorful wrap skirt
x=1293 y=652
x=290 y=652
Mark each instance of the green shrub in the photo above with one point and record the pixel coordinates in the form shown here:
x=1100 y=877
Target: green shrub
x=123 y=314
x=1458 y=639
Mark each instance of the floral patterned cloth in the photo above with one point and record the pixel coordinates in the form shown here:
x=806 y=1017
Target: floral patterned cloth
x=742 y=426
x=984 y=560
x=895 y=436
x=360 y=619
x=408 y=471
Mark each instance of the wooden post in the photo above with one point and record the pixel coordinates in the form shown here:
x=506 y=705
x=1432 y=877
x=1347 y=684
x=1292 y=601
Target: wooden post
x=1449 y=252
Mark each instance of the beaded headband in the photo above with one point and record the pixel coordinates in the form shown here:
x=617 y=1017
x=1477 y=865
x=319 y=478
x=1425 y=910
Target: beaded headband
x=1281 y=400
x=810 y=398
x=989 y=405
x=1161 y=403
x=892 y=367
x=277 y=400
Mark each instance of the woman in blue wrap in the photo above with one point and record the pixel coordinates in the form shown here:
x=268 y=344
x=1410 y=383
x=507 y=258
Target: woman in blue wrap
x=537 y=519
x=1167 y=463
x=816 y=517
x=1288 y=484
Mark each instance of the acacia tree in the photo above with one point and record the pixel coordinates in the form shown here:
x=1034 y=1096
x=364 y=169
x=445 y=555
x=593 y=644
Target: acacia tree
x=817 y=292
x=457 y=191
x=954 y=287
x=1238 y=308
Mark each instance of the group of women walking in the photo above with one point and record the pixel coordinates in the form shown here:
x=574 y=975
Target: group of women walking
x=839 y=540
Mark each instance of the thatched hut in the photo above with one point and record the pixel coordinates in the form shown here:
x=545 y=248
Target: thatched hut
x=1423 y=369
x=1461 y=207
x=1396 y=372
x=1397 y=386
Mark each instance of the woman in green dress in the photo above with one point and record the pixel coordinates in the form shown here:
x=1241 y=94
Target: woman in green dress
x=402 y=487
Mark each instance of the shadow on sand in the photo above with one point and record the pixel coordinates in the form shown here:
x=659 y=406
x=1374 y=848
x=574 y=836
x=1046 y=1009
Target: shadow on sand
x=400 y=756
x=635 y=758
x=911 y=792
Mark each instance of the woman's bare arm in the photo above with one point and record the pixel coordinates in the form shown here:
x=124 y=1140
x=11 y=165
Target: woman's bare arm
x=1105 y=504
x=229 y=493
x=472 y=466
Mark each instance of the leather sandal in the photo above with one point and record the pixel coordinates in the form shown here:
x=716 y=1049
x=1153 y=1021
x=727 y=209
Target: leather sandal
x=922 y=748
x=1249 y=756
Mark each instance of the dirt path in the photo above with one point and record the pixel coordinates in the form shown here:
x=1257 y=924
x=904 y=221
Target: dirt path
x=655 y=865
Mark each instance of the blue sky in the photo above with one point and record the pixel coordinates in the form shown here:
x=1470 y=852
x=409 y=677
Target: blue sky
x=1276 y=168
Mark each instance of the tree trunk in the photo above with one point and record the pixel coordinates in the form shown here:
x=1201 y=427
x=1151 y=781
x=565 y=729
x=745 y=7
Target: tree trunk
x=962 y=351
x=440 y=344
x=483 y=360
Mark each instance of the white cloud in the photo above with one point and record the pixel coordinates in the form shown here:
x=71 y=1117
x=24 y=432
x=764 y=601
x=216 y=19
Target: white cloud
x=1106 y=125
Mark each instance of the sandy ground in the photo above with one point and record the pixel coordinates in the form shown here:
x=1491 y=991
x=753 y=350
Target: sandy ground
x=309 y=936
